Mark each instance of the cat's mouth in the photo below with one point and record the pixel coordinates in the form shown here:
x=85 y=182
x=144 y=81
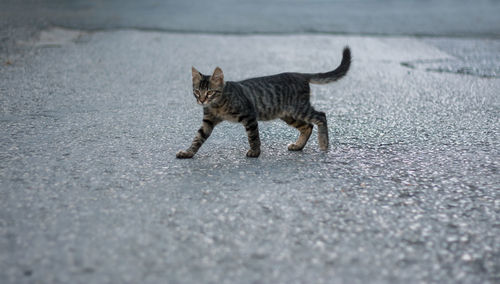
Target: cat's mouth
x=207 y=101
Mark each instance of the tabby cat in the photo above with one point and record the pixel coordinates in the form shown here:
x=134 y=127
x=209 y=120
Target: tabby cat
x=285 y=96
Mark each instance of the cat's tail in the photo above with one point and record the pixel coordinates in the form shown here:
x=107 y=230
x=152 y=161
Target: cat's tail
x=332 y=76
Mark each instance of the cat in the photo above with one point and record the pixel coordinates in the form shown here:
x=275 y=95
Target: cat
x=285 y=96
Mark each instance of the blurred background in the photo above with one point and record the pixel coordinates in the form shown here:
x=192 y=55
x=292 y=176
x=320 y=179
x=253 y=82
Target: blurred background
x=477 y=18
x=21 y=21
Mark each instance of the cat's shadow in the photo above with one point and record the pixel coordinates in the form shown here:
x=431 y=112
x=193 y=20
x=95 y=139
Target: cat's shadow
x=229 y=159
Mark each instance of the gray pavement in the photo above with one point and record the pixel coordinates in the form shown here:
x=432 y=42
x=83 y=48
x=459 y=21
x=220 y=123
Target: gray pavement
x=91 y=192
x=91 y=118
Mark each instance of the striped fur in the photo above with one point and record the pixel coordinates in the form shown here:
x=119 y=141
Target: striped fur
x=285 y=96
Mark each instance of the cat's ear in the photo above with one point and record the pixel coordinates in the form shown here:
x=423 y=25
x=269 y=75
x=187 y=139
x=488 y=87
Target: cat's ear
x=218 y=77
x=196 y=75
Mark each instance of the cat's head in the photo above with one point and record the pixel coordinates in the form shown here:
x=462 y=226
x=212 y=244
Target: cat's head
x=207 y=89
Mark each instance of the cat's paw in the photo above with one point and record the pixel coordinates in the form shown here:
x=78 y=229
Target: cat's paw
x=253 y=153
x=323 y=141
x=324 y=147
x=184 y=155
x=294 y=147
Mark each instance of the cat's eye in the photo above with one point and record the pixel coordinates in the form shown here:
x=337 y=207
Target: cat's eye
x=212 y=92
x=197 y=93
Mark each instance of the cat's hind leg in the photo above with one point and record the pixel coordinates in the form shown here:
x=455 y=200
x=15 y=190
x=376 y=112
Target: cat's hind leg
x=305 y=132
x=318 y=118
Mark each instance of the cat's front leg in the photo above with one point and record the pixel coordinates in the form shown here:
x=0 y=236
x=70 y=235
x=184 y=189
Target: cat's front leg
x=252 y=129
x=200 y=138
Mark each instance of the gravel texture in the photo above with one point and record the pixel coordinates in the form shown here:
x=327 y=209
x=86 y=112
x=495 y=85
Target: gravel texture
x=91 y=192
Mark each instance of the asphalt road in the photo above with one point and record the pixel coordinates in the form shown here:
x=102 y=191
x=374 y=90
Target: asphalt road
x=91 y=119
x=91 y=192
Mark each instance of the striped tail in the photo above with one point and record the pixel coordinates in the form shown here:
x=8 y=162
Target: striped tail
x=332 y=76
